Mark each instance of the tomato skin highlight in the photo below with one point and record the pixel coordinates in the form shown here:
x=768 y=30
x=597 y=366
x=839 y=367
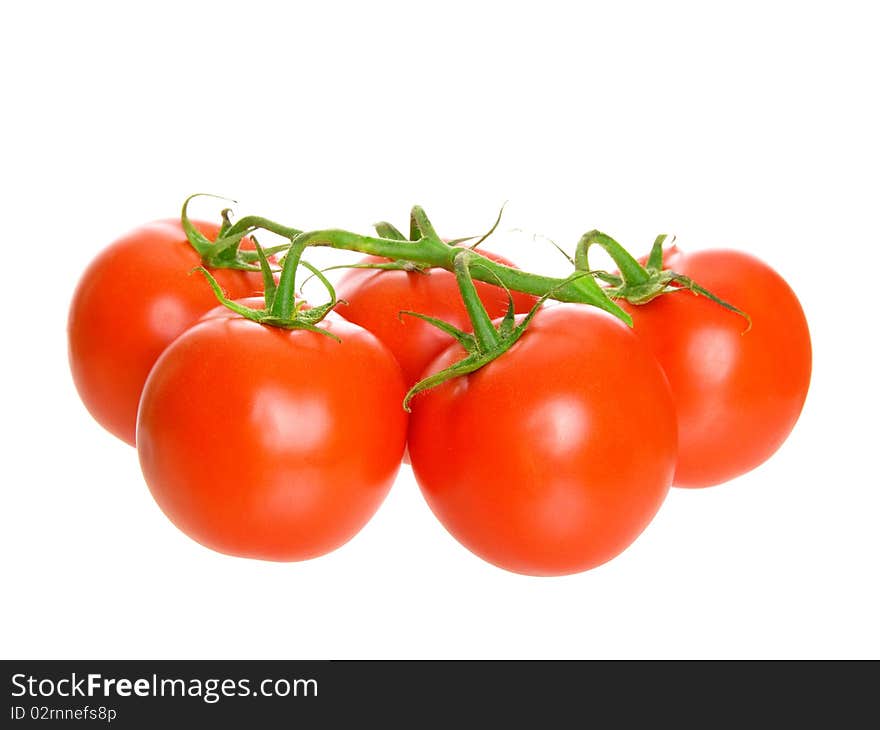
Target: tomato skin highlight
x=373 y=298
x=131 y=302
x=738 y=393
x=553 y=458
x=271 y=443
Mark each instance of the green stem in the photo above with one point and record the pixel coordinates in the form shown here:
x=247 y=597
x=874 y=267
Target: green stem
x=435 y=253
x=484 y=330
x=283 y=305
x=251 y=222
x=428 y=251
x=421 y=251
x=632 y=272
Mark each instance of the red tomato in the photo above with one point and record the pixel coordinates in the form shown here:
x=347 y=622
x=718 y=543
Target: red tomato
x=737 y=393
x=271 y=443
x=134 y=299
x=553 y=458
x=373 y=298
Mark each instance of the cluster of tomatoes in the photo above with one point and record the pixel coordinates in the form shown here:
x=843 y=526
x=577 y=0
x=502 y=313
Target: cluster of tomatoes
x=280 y=443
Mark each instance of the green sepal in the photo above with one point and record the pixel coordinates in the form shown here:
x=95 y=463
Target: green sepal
x=639 y=284
x=655 y=258
x=465 y=339
x=225 y=252
x=201 y=243
x=606 y=277
x=420 y=226
x=227 y=223
x=396 y=265
x=387 y=230
x=269 y=285
x=477 y=356
x=689 y=284
x=251 y=256
x=256 y=315
x=561 y=250
x=297 y=325
x=226 y=248
x=596 y=295
x=466 y=366
x=491 y=230
x=307 y=319
x=399 y=265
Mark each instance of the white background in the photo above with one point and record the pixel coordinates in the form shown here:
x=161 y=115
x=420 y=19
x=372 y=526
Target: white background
x=752 y=125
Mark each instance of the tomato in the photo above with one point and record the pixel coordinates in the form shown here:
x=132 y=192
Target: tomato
x=134 y=298
x=554 y=457
x=737 y=393
x=271 y=443
x=373 y=298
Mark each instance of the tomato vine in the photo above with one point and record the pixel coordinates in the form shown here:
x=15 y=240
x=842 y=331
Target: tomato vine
x=424 y=249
